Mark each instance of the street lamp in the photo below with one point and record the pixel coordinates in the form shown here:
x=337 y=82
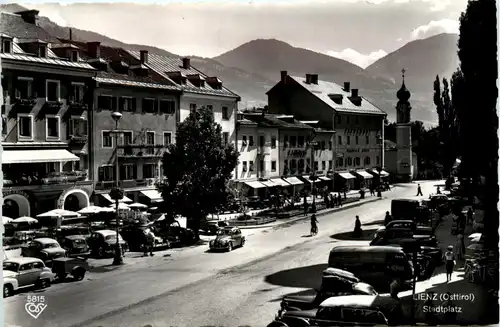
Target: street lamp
x=118 y=260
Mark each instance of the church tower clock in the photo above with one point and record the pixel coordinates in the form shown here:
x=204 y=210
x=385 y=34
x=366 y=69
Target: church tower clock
x=403 y=134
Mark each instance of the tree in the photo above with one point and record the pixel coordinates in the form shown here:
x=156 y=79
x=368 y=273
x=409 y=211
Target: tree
x=197 y=169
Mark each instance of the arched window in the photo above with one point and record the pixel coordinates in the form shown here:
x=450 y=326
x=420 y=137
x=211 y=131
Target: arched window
x=358 y=161
x=349 y=161
x=367 y=161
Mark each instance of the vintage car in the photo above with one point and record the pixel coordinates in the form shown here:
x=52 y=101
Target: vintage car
x=23 y=272
x=74 y=245
x=43 y=248
x=335 y=282
x=103 y=242
x=135 y=236
x=227 y=238
x=76 y=267
x=174 y=233
x=384 y=236
x=410 y=209
x=409 y=225
x=349 y=310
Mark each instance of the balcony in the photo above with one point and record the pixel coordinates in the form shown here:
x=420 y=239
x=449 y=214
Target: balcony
x=78 y=139
x=50 y=181
x=52 y=105
x=263 y=151
x=24 y=103
x=77 y=105
x=139 y=183
x=141 y=150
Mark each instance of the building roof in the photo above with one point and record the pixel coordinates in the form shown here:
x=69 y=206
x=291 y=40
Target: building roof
x=275 y=121
x=47 y=61
x=323 y=89
x=164 y=65
x=14 y=25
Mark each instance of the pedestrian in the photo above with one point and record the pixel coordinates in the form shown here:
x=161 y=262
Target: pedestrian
x=460 y=247
x=419 y=191
x=149 y=242
x=339 y=198
x=387 y=219
x=470 y=216
x=438 y=190
x=372 y=190
x=306 y=206
x=357 y=228
x=394 y=289
x=449 y=258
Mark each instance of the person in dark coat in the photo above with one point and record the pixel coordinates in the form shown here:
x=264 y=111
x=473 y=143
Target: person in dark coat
x=470 y=217
x=357 y=228
x=419 y=190
x=449 y=258
x=388 y=218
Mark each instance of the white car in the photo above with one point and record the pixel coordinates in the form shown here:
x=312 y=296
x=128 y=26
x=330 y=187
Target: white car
x=23 y=272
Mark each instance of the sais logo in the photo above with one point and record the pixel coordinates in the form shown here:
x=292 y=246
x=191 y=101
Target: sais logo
x=35 y=305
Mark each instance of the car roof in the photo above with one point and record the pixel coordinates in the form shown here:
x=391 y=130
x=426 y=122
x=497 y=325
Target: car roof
x=45 y=240
x=402 y=221
x=106 y=232
x=367 y=248
x=349 y=301
x=23 y=260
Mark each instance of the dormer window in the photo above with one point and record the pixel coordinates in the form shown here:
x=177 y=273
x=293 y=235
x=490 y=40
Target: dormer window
x=202 y=83
x=42 y=51
x=74 y=56
x=6 y=46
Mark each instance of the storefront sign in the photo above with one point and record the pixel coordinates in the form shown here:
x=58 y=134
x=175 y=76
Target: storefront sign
x=297 y=153
x=22 y=193
x=357 y=150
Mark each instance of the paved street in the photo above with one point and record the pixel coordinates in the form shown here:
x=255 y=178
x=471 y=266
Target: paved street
x=195 y=288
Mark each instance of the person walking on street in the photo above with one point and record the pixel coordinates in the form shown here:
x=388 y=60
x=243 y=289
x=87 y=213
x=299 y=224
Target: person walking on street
x=357 y=228
x=314 y=225
x=470 y=217
x=449 y=258
x=387 y=219
x=150 y=241
x=419 y=191
x=460 y=247
x=306 y=207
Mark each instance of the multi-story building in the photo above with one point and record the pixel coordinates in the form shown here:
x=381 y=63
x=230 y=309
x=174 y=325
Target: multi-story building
x=46 y=100
x=148 y=103
x=359 y=125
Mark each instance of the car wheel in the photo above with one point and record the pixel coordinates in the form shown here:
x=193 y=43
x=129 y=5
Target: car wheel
x=79 y=274
x=243 y=242
x=8 y=290
x=229 y=247
x=43 y=283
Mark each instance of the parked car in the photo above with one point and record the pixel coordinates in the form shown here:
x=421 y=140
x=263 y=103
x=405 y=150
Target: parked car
x=335 y=282
x=75 y=245
x=409 y=225
x=210 y=227
x=174 y=233
x=350 y=310
x=77 y=267
x=385 y=236
x=410 y=209
x=103 y=242
x=23 y=272
x=227 y=238
x=44 y=249
x=135 y=236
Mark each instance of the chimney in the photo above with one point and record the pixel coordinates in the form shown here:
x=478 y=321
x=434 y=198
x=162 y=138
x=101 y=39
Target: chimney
x=347 y=86
x=284 y=74
x=186 y=63
x=314 y=79
x=144 y=56
x=29 y=16
x=354 y=93
x=94 y=49
x=70 y=34
x=308 y=78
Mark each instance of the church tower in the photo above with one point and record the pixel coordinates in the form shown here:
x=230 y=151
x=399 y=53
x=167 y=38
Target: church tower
x=403 y=134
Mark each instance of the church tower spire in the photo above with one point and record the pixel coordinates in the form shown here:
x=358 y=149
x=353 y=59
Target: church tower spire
x=403 y=134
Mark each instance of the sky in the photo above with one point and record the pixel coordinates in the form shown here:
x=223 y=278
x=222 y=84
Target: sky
x=359 y=31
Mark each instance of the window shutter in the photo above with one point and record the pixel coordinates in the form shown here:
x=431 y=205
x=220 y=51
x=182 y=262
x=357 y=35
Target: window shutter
x=114 y=103
x=121 y=104
x=122 y=172
x=156 y=105
x=101 y=174
x=135 y=171
x=134 y=105
x=143 y=107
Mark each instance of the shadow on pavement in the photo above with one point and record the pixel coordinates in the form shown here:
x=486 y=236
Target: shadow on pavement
x=301 y=277
x=309 y=235
x=376 y=222
x=367 y=235
x=103 y=269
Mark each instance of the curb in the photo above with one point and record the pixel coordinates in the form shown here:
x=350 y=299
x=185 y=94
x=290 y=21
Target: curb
x=318 y=214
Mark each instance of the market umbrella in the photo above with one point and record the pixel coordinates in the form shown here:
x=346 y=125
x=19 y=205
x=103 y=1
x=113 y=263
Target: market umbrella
x=121 y=206
x=25 y=219
x=93 y=210
x=475 y=247
x=476 y=237
x=137 y=205
x=59 y=213
x=6 y=220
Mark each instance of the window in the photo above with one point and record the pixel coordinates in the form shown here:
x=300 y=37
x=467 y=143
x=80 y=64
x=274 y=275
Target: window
x=38 y=265
x=128 y=137
x=323 y=145
x=348 y=140
x=245 y=168
x=24 y=88
x=225 y=137
x=340 y=140
x=357 y=161
x=127 y=104
x=250 y=141
x=301 y=165
x=25 y=126
x=330 y=145
x=285 y=141
x=273 y=142
x=192 y=107
x=293 y=141
x=323 y=165
x=53 y=127
x=244 y=140
x=167 y=138
x=251 y=165
x=367 y=139
x=167 y=107
x=225 y=113
x=6 y=46
x=77 y=89
x=340 y=162
x=77 y=127
x=149 y=171
x=330 y=165
x=128 y=172
x=149 y=106
x=367 y=161
x=107 y=139
x=293 y=164
x=339 y=119
x=74 y=56
x=106 y=173
x=273 y=165
x=105 y=102
x=261 y=165
x=42 y=51
x=262 y=140
x=150 y=140
x=52 y=90
x=349 y=161
x=300 y=142
x=357 y=139
x=316 y=166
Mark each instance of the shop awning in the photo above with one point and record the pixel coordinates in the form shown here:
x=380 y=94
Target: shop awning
x=255 y=184
x=364 y=174
x=280 y=182
x=346 y=175
x=153 y=195
x=124 y=200
x=324 y=178
x=268 y=183
x=37 y=156
x=383 y=173
x=306 y=178
x=293 y=180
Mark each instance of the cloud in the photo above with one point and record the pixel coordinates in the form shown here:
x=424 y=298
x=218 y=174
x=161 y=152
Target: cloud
x=357 y=58
x=435 y=27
